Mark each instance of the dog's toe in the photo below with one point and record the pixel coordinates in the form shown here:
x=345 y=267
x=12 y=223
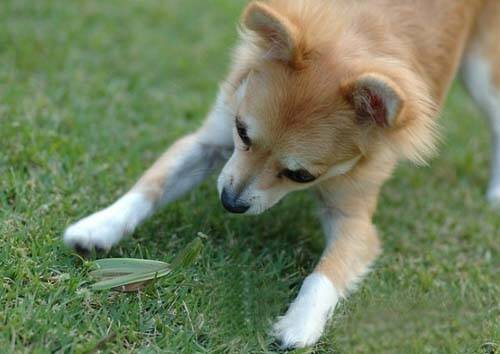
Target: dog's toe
x=82 y=250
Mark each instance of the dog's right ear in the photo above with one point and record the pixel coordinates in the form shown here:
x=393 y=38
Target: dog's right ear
x=277 y=35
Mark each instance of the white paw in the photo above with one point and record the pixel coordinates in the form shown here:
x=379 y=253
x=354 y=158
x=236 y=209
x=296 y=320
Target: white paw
x=494 y=197
x=307 y=316
x=99 y=231
x=106 y=228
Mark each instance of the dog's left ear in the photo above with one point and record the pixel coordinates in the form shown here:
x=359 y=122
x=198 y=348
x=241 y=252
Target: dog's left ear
x=278 y=36
x=376 y=99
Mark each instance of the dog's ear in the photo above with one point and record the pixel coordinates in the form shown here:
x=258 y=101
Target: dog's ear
x=277 y=35
x=376 y=99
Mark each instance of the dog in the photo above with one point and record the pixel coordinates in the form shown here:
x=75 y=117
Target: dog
x=325 y=95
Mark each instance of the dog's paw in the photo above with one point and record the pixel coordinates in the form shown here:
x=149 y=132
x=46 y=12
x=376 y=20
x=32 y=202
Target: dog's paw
x=307 y=316
x=298 y=329
x=104 y=229
x=99 y=231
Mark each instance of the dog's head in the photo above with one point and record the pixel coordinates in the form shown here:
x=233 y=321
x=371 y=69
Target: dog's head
x=303 y=112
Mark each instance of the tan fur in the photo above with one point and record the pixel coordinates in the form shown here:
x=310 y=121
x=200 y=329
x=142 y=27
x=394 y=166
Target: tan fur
x=300 y=70
x=152 y=183
x=302 y=106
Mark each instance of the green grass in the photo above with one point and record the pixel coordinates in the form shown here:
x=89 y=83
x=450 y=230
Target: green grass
x=92 y=91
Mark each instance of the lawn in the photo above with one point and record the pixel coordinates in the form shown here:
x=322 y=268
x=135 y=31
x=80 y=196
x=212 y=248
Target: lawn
x=91 y=92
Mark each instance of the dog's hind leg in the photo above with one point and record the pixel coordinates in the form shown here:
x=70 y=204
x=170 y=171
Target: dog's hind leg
x=481 y=75
x=185 y=164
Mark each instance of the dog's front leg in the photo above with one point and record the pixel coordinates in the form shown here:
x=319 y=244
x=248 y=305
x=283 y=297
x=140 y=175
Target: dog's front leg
x=352 y=245
x=188 y=162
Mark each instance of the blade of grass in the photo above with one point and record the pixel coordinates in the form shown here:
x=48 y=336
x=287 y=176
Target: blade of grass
x=188 y=255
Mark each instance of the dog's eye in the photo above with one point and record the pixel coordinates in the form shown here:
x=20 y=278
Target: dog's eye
x=242 y=132
x=299 y=176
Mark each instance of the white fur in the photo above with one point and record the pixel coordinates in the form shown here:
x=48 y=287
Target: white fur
x=217 y=130
x=107 y=227
x=477 y=76
x=307 y=316
x=336 y=170
x=242 y=91
x=341 y=168
x=189 y=162
x=292 y=163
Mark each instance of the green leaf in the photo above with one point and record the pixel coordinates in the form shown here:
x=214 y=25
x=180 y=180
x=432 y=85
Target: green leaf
x=113 y=272
x=129 y=264
x=129 y=274
x=128 y=279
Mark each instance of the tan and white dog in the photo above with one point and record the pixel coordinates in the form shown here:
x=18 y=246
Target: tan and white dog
x=328 y=95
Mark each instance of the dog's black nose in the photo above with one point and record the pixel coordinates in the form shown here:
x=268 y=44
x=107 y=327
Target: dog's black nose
x=231 y=202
